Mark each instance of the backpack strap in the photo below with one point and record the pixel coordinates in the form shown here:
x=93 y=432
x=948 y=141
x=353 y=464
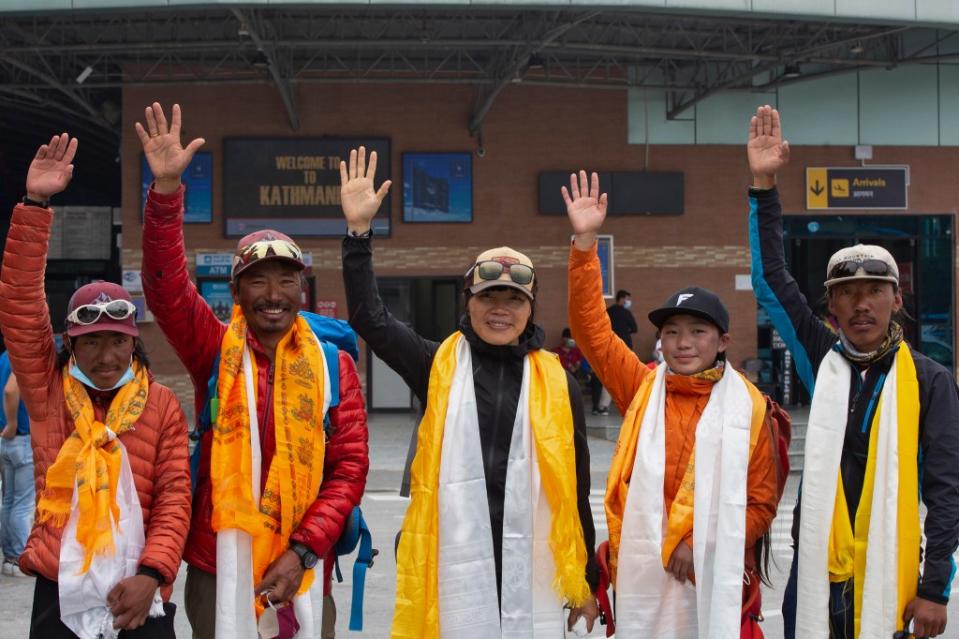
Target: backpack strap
x=364 y=561
x=332 y=356
x=205 y=420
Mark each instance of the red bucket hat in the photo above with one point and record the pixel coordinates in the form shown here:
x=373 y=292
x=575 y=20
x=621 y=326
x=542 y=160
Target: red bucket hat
x=265 y=245
x=98 y=294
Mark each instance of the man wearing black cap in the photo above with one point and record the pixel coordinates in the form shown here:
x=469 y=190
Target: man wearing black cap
x=883 y=431
x=705 y=439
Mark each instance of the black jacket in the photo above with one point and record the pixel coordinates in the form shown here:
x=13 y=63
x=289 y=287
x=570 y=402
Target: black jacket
x=497 y=377
x=623 y=323
x=810 y=341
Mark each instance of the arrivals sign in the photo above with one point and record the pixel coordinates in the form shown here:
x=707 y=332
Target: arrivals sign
x=292 y=185
x=860 y=187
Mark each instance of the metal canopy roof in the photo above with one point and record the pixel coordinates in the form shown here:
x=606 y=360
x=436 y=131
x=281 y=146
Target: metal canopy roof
x=44 y=57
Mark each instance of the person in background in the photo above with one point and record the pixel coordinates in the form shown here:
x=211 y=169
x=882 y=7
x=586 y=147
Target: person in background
x=569 y=355
x=16 y=470
x=621 y=317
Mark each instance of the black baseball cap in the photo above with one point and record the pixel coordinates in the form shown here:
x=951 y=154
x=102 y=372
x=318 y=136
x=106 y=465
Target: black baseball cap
x=693 y=300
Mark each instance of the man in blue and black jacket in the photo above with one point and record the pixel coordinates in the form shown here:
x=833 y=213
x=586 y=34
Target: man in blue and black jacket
x=883 y=432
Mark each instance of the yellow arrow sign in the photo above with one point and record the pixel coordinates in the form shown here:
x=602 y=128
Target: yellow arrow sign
x=817 y=188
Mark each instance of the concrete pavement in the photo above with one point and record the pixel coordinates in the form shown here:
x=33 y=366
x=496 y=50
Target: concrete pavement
x=384 y=510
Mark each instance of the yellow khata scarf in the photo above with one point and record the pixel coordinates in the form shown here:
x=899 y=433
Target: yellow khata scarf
x=847 y=549
x=417 y=592
x=92 y=459
x=680 y=518
x=296 y=471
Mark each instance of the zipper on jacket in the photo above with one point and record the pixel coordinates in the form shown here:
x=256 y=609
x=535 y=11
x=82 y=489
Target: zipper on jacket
x=496 y=415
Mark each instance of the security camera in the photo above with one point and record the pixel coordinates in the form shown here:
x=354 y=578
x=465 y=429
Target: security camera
x=480 y=151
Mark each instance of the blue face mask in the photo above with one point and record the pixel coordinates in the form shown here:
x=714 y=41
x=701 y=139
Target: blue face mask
x=79 y=375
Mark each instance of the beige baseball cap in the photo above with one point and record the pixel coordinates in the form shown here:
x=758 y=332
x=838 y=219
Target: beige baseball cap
x=507 y=257
x=861 y=262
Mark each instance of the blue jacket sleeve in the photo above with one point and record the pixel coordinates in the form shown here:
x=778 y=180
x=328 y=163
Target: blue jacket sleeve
x=806 y=336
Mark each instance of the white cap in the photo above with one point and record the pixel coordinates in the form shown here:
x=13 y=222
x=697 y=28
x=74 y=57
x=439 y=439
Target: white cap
x=861 y=253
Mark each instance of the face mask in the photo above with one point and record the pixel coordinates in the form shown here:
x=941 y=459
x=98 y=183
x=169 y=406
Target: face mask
x=628 y=304
x=570 y=343
x=269 y=625
x=81 y=377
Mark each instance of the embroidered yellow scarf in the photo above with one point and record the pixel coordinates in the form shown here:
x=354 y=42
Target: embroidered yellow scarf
x=847 y=549
x=296 y=471
x=680 y=518
x=91 y=458
x=551 y=420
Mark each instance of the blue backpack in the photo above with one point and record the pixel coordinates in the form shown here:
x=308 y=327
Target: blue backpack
x=333 y=335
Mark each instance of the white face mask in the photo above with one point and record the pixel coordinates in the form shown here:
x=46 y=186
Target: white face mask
x=628 y=304
x=268 y=626
x=570 y=343
x=81 y=377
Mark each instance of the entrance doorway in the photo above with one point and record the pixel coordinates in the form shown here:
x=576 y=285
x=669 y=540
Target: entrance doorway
x=431 y=307
x=923 y=248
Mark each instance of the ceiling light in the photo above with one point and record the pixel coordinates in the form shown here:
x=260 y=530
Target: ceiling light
x=791 y=71
x=857 y=48
x=84 y=74
x=260 y=60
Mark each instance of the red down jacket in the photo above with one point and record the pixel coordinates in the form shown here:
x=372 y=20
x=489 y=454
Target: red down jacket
x=195 y=334
x=157 y=446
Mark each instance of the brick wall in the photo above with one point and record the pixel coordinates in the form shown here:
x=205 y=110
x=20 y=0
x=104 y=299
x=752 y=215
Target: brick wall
x=528 y=130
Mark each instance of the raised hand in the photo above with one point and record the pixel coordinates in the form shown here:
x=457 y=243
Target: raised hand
x=357 y=197
x=52 y=168
x=586 y=208
x=766 y=149
x=161 y=145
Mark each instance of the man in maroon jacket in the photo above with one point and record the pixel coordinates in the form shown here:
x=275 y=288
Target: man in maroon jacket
x=266 y=286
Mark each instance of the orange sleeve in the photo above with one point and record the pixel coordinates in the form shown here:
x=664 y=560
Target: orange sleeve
x=24 y=316
x=617 y=365
x=762 y=486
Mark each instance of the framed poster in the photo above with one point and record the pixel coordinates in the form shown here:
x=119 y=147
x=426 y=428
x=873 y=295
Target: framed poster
x=438 y=187
x=293 y=185
x=216 y=293
x=198 y=180
x=605 y=251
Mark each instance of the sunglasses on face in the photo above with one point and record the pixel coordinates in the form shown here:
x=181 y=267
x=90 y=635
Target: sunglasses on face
x=849 y=268
x=91 y=313
x=491 y=270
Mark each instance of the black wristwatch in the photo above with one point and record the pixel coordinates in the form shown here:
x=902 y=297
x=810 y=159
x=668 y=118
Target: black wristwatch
x=45 y=204
x=308 y=558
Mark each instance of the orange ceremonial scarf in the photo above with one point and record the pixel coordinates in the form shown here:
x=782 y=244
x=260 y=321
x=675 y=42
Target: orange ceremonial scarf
x=296 y=470
x=91 y=459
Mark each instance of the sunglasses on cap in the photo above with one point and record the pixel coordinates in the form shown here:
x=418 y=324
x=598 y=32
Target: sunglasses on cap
x=849 y=268
x=86 y=314
x=489 y=270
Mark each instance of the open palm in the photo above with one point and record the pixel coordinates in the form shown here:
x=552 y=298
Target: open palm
x=767 y=151
x=585 y=206
x=167 y=158
x=359 y=200
x=52 y=167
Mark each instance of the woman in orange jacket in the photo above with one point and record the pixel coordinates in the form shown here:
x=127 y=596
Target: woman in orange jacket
x=109 y=443
x=696 y=450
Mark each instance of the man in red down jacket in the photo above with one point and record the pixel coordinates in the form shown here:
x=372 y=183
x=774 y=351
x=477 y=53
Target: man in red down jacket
x=102 y=360
x=268 y=294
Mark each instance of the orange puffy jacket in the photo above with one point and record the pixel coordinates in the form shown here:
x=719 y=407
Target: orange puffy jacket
x=622 y=371
x=157 y=446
